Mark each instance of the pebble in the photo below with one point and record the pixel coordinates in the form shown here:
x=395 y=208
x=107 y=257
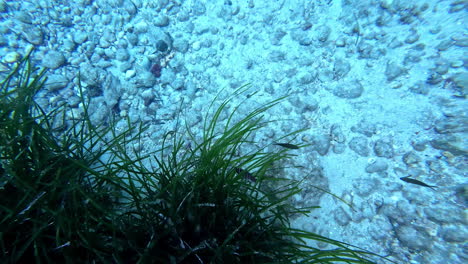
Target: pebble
x=11 y=57
x=277 y=36
x=419 y=145
x=460 y=80
x=303 y=39
x=364 y=187
x=323 y=32
x=196 y=46
x=446 y=214
x=449 y=143
x=56 y=82
x=341 y=68
x=412 y=37
x=321 y=144
x=454 y=234
x=393 y=71
x=161 y=21
x=306 y=77
x=444 y=45
x=33 y=35
x=349 y=90
x=378 y=166
x=181 y=45
x=411 y=159
x=415 y=238
x=339 y=148
x=79 y=37
x=53 y=59
x=122 y=55
x=340 y=42
x=384 y=148
x=360 y=146
x=451 y=124
x=419 y=88
x=365 y=128
x=130 y=74
x=198 y=8
x=342 y=217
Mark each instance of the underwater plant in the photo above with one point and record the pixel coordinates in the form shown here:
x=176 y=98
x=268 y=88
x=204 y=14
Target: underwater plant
x=75 y=194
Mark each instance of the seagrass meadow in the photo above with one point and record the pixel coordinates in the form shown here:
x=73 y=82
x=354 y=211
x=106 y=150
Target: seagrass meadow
x=73 y=193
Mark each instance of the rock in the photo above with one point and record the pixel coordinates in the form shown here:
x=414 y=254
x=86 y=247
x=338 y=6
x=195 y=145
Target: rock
x=140 y=27
x=364 y=187
x=460 y=41
x=342 y=217
x=181 y=45
x=411 y=159
x=340 y=42
x=323 y=32
x=156 y=35
x=442 y=67
x=301 y=37
x=450 y=143
x=341 y=69
x=433 y=77
x=161 y=21
x=198 y=8
x=413 y=37
x=79 y=37
x=414 y=238
x=454 y=234
x=367 y=129
x=161 y=46
x=337 y=134
x=145 y=80
x=365 y=50
x=132 y=38
x=277 y=56
x=23 y=17
x=339 y=148
x=360 y=146
x=393 y=71
x=444 y=45
x=277 y=36
x=122 y=55
x=99 y=110
x=445 y=215
x=53 y=59
x=112 y=91
x=56 y=82
x=460 y=80
x=456 y=6
x=11 y=57
x=109 y=54
x=451 y=125
x=419 y=145
x=378 y=166
x=33 y=35
x=419 y=88
x=321 y=144
x=383 y=148
x=349 y=90
x=310 y=105
x=183 y=15
x=306 y=78
x=148 y=96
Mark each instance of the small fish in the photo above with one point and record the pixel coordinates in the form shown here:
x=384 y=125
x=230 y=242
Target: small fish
x=287 y=145
x=413 y=181
x=246 y=174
